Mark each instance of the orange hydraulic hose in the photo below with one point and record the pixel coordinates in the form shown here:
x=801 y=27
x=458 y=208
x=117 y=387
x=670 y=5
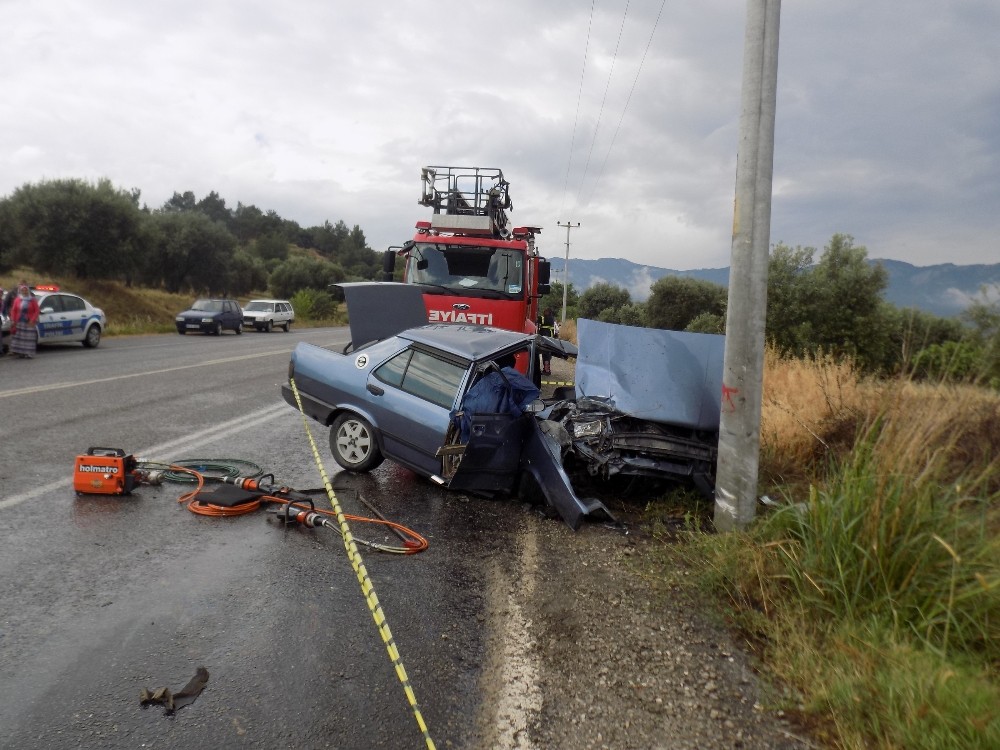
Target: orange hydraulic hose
x=414 y=543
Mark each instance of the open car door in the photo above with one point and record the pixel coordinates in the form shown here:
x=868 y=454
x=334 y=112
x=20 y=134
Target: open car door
x=496 y=438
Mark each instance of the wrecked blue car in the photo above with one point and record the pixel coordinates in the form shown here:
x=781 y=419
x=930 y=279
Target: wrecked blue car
x=446 y=401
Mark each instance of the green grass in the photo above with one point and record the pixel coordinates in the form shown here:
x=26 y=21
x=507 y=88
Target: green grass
x=875 y=599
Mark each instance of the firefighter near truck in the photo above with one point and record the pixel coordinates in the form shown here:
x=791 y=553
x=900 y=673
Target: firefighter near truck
x=472 y=266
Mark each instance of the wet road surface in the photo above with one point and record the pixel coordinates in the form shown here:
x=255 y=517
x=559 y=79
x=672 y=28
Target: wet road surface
x=102 y=596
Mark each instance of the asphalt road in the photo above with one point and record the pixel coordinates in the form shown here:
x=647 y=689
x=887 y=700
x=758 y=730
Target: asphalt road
x=101 y=596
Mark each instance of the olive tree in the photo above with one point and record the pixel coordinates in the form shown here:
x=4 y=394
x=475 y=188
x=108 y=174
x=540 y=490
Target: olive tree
x=675 y=301
x=189 y=251
x=835 y=304
x=91 y=230
x=600 y=297
x=304 y=273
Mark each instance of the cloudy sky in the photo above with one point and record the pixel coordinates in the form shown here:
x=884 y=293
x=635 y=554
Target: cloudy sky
x=618 y=114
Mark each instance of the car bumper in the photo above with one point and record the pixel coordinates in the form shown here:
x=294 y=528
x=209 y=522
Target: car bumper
x=195 y=327
x=313 y=408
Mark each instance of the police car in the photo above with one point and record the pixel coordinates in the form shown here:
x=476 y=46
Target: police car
x=64 y=318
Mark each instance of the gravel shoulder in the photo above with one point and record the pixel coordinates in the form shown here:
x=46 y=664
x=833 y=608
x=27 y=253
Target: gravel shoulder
x=627 y=661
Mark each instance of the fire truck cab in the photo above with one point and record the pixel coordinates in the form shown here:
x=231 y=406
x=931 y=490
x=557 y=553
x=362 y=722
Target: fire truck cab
x=473 y=267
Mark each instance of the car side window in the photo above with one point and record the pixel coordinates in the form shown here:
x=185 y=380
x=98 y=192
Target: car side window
x=72 y=304
x=391 y=373
x=423 y=375
x=52 y=303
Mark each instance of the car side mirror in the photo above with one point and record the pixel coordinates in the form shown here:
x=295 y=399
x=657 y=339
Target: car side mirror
x=46 y=310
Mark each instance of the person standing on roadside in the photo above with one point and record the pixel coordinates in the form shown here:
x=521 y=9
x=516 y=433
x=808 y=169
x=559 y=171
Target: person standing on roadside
x=546 y=327
x=24 y=324
x=8 y=301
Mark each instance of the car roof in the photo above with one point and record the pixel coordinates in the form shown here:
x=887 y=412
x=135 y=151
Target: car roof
x=267 y=300
x=469 y=342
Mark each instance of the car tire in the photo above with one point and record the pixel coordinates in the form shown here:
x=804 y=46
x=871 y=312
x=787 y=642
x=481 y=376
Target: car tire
x=267 y=327
x=181 y=331
x=217 y=331
x=239 y=328
x=288 y=326
x=93 y=337
x=353 y=443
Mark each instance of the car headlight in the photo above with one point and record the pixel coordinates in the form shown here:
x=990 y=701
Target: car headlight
x=587 y=429
x=179 y=319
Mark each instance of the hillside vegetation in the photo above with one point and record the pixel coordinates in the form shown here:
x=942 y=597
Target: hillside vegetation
x=135 y=309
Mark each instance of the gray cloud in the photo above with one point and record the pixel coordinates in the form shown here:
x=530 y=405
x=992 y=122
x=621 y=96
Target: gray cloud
x=886 y=125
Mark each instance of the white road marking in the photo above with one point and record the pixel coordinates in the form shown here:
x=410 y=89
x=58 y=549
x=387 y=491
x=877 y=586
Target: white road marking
x=75 y=383
x=163 y=451
x=206 y=363
x=514 y=665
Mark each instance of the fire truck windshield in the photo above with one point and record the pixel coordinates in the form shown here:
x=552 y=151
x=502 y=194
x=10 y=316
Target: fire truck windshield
x=466 y=268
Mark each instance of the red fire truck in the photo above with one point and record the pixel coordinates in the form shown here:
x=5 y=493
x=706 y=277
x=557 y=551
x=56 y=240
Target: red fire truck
x=472 y=266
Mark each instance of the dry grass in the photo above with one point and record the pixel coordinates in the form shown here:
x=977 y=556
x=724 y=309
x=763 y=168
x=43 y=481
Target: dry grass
x=814 y=409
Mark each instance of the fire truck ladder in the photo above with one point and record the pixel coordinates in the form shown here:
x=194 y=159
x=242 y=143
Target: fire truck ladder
x=467 y=199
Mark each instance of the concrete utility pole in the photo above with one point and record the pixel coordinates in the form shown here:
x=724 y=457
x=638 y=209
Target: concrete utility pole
x=569 y=225
x=743 y=368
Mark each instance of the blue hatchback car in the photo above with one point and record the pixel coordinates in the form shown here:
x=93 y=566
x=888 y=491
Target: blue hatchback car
x=211 y=316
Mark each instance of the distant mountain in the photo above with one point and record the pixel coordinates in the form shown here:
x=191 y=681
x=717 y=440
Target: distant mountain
x=944 y=289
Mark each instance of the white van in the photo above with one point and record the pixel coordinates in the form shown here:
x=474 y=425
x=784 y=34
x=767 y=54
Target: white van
x=265 y=314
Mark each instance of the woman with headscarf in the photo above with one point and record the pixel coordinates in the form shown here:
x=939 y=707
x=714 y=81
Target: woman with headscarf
x=24 y=323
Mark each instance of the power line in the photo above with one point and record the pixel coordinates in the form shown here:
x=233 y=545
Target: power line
x=579 y=96
x=600 y=113
x=625 y=108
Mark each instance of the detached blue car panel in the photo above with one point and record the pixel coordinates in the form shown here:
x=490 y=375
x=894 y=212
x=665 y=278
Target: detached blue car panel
x=671 y=377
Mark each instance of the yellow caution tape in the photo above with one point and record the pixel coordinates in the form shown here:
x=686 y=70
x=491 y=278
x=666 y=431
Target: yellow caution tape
x=366 y=585
x=557 y=382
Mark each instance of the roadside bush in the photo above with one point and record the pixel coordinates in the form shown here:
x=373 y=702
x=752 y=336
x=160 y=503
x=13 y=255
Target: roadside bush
x=311 y=304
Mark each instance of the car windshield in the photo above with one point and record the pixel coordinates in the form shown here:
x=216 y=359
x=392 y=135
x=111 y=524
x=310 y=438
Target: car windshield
x=466 y=267
x=207 y=305
x=259 y=307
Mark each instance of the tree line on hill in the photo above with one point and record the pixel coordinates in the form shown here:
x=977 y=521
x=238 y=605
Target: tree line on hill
x=95 y=230
x=834 y=305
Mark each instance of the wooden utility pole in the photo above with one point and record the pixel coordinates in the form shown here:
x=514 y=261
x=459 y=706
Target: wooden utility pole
x=743 y=367
x=569 y=225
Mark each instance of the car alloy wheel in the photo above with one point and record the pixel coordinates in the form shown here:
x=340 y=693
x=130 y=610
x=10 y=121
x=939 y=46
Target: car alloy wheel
x=353 y=443
x=93 y=337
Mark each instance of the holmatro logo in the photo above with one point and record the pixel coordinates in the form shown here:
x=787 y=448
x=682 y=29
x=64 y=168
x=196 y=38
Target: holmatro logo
x=87 y=468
